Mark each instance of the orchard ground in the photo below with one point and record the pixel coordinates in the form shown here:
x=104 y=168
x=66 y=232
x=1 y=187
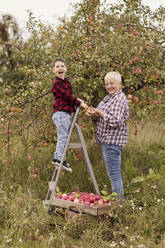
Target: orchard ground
x=24 y=183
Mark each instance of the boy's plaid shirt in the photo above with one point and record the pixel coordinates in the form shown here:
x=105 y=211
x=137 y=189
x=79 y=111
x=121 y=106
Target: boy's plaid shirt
x=64 y=100
x=113 y=128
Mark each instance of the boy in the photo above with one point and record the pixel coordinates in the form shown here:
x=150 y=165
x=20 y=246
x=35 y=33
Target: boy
x=63 y=107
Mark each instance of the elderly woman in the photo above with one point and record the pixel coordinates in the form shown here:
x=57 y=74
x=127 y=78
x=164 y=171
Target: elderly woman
x=111 y=128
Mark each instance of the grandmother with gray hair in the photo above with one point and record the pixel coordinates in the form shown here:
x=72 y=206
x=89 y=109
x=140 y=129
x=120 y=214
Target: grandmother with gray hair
x=111 y=129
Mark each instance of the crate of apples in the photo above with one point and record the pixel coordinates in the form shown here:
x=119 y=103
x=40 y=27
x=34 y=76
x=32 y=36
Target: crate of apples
x=89 y=199
x=89 y=203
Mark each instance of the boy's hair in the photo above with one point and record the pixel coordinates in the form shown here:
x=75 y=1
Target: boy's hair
x=114 y=75
x=58 y=59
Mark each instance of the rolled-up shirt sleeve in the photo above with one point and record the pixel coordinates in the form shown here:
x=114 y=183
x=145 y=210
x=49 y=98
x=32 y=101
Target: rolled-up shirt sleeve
x=114 y=116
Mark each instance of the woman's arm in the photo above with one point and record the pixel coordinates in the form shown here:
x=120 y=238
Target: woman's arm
x=99 y=113
x=115 y=114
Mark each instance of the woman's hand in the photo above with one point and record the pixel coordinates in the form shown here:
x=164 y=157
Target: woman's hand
x=93 y=112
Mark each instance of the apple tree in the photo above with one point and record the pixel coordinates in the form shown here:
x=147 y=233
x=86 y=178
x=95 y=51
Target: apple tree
x=99 y=37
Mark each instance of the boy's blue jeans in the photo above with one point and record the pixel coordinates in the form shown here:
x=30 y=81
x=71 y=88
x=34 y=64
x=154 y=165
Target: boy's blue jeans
x=63 y=121
x=112 y=160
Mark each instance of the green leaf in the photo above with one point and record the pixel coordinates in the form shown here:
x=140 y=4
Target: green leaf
x=154 y=176
x=138 y=179
x=57 y=189
x=77 y=195
x=150 y=171
x=114 y=194
x=103 y=192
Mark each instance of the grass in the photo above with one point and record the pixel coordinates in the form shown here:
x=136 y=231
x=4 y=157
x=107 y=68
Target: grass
x=138 y=223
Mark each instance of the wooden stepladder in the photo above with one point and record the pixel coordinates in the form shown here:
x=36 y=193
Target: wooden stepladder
x=56 y=174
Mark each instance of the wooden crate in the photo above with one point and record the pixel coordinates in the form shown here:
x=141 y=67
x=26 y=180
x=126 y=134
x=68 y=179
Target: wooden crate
x=77 y=207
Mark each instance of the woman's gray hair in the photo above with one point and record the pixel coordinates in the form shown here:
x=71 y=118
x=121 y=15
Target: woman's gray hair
x=113 y=75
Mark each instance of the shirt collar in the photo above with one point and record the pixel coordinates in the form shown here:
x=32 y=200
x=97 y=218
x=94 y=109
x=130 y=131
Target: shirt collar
x=57 y=78
x=117 y=93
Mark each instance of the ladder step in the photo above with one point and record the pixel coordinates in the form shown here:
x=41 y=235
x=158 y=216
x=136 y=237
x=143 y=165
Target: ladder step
x=52 y=186
x=74 y=145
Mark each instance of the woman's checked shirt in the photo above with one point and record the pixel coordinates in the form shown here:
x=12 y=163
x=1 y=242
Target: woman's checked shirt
x=113 y=128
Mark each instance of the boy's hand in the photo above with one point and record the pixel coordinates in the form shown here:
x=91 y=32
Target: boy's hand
x=80 y=100
x=84 y=105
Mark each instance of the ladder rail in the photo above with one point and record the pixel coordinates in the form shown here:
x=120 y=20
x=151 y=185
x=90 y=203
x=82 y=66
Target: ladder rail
x=57 y=172
x=86 y=157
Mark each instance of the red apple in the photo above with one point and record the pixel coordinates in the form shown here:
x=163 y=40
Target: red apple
x=59 y=196
x=136 y=99
x=78 y=51
x=136 y=132
x=101 y=202
x=120 y=25
x=129 y=96
x=160 y=92
x=10 y=43
x=92 y=199
x=81 y=201
x=70 y=198
x=64 y=196
x=135 y=32
x=98 y=197
x=86 y=198
x=138 y=71
x=134 y=59
x=87 y=203
x=76 y=201
x=13 y=109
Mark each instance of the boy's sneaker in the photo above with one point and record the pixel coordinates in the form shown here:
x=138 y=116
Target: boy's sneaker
x=65 y=165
